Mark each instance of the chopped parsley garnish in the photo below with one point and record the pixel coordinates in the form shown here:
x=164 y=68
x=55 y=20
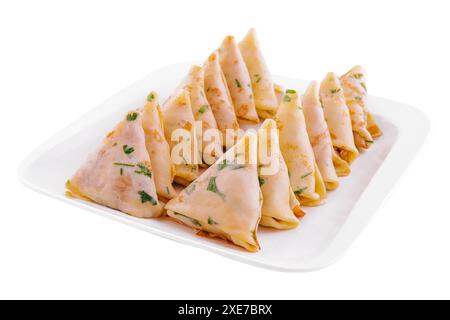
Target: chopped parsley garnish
x=132 y=116
x=238 y=84
x=211 y=221
x=123 y=164
x=225 y=163
x=357 y=75
x=145 y=197
x=222 y=165
x=121 y=171
x=167 y=190
x=364 y=86
x=291 y=91
x=333 y=91
x=300 y=191
x=195 y=222
x=286 y=98
x=203 y=108
x=212 y=186
x=261 y=181
x=305 y=175
x=67 y=183
x=358 y=98
x=114 y=144
x=369 y=141
x=127 y=149
x=143 y=169
x=190 y=188
x=150 y=97
x=258 y=78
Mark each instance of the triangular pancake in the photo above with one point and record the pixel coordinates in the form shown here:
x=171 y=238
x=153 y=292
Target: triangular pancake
x=305 y=177
x=157 y=147
x=211 y=147
x=220 y=100
x=354 y=85
x=319 y=136
x=238 y=80
x=338 y=119
x=177 y=114
x=277 y=210
x=225 y=200
x=262 y=85
x=119 y=174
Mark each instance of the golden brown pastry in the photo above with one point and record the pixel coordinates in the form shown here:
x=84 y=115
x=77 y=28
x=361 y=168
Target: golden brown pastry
x=338 y=118
x=305 y=177
x=319 y=135
x=279 y=208
x=225 y=201
x=183 y=143
x=119 y=174
x=220 y=100
x=262 y=84
x=157 y=147
x=238 y=80
x=355 y=91
x=209 y=141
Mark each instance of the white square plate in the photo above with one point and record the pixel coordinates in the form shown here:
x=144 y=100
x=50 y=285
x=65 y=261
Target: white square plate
x=324 y=234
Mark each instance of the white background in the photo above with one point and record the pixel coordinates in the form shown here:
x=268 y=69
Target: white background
x=58 y=59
